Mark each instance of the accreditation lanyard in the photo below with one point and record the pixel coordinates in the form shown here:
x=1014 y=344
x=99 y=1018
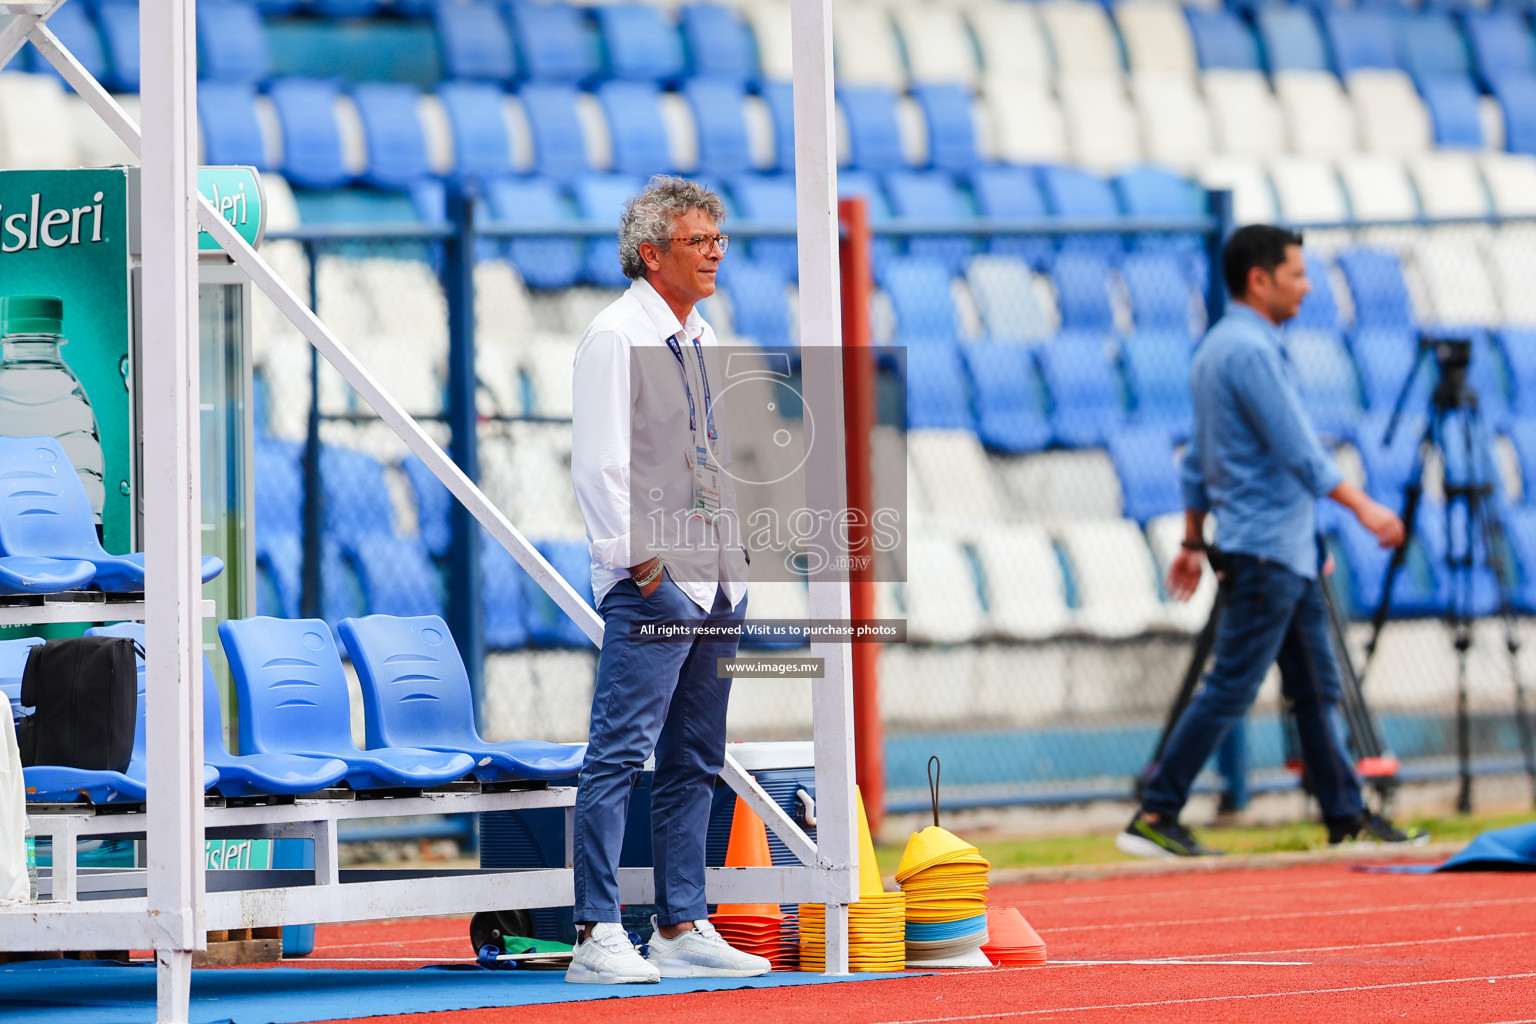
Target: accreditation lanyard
x=706 y=470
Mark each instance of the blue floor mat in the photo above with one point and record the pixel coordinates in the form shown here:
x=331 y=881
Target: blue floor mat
x=74 y=992
x=1503 y=849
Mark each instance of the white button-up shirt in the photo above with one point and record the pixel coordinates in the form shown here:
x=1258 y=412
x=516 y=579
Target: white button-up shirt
x=632 y=450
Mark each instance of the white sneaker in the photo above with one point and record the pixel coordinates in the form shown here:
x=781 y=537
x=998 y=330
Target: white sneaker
x=700 y=952
x=609 y=958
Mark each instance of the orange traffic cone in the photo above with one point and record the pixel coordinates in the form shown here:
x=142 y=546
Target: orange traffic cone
x=751 y=927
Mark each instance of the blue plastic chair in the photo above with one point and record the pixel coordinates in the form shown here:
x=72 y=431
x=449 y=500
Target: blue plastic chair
x=1501 y=44
x=1376 y=282
x=545 y=621
x=1320 y=309
x=770 y=198
x=1290 y=39
x=1326 y=377
x=481 y=147
x=72 y=24
x=416 y=693
x=1010 y=413
x=1157 y=371
x=397 y=575
x=119 y=21
x=231 y=133
x=951 y=130
x=1452 y=102
x=396 y=142
x=1009 y=192
x=1084 y=387
x=1149 y=476
x=44 y=514
x=231 y=43
x=501 y=597
x=13 y=662
x=719 y=43
x=60 y=784
x=874 y=135
x=311 y=138
x=1159 y=290
x=1430 y=44
x=641 y=46
x=1082 y=293
x=433 y=505
x=1075 y=194
x=1384 y=357
x=919 y=291
x=1360 y=39
x=1222 y=40
x=546 y=263
x=759 y=304
x=279 y=574
x=932 y=195
x=781 y=110
x=555 y=42
x=638 y=134
x=293 y=699
x=1517 y=99
x=475 y=41
x=601 y=197
x=721 y=126
x=938 y=394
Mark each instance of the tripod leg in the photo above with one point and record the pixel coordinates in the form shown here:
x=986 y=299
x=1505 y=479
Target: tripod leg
x=1205 y=643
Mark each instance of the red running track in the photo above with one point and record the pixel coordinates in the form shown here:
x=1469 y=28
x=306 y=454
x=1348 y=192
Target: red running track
x=1303 y=945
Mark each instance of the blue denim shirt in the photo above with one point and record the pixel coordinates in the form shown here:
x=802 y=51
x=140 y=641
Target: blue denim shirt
x=1254 y=459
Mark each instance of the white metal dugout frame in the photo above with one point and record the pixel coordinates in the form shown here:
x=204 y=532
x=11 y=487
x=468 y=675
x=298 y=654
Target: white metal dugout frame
x=175 y=915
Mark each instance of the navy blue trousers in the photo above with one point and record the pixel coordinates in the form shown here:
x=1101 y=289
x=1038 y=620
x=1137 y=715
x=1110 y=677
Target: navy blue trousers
x=661 y=696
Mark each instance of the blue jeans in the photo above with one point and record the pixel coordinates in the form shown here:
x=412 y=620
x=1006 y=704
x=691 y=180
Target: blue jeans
x=1271 y=615
x=661 y=696
x=1232 y=762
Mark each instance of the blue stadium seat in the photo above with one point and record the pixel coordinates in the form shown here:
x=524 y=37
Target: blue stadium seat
x=545 y=263
x=397 y=575
x=1384 y=356
x=641 y=45
x=1388 y=468
x=397 y=145
x=1319 y=310
x=931 y=195
x=919 y=290
x=1010 y=415
x=724 y=148
x=1376 y=284
x=770 y=199
x=1452 y=103
x=1082 y=293
x=279 y=487
x=759 y=306
x=1519 y=348
x=951 y=130
x=501 y=597
x=433 y=504
x=1360 y=39
x=1154 y=192
x=357 y=503
x=559 y=150
x=293 y=700
x=1520 y=527
x=547 y=624
x=1363 y=569
x=1149 y=476
x=780 y=98
x=1012 y=193
x=1074 y=194
x=231 y=134
x=231 y=42
x=279 y=574
x=867 y=185
x=635 y=127
x=1501 y=44
x=474 y=41
x=1329 y=387
x=25 y=574
x=1290 y=39
x=416 y=693
x=1517 y=99
x=1489 y=376
x=601 y=197
x=1157 y=374
x=555 y=42
x=1222 y=40
x=1522 y=434
x=938 y=397
x=481 y=147
x=874 y=137
x=72 y=24
x=119 y=22
x=1160 y=293
x=1084 y=389
x=13 y=663
x=45 y=514
x=311 y=138
x=1430 y=44
x=718 y=42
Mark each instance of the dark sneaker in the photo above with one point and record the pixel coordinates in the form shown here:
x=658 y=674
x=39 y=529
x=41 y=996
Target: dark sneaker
x=1163 y=838
x=1374 y=830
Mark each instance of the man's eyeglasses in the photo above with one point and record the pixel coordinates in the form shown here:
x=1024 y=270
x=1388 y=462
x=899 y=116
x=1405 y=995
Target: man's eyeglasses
x=701 y=243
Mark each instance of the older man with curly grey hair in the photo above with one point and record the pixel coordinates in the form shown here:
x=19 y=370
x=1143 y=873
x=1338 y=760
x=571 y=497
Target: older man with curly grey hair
x=650 y=461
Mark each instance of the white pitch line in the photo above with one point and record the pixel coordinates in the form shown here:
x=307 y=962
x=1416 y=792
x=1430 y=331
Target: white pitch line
x=1192 y=963
x=1211 y=999
x=1346 y=911
x=1366 y=945
x=1186 y=893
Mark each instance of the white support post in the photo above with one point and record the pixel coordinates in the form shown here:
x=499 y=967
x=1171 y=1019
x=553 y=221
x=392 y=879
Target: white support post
x=172 y=496
x=821 y=327
x=327 y=855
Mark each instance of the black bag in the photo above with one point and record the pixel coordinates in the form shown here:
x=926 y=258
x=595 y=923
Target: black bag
x=85 y=690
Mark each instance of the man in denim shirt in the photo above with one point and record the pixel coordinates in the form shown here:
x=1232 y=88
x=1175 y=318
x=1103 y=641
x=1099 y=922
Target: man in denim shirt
x=1255 y=461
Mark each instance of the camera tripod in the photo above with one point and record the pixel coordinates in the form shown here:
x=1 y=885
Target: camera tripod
x=1468 y=486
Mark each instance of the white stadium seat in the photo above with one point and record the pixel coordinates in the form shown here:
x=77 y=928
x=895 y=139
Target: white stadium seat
x=1318 y=118
x=1115 y=579
x=1026 y=124
x=937 y=44
x=1308 y=190
x=550 y=360
x=1156 y=37
x=1164 y=535
x=1457 y=288
x=1245 y=119
x=1449 y=184
x=1511 y=181
x=1026 y=593
x=953 y=473
x=1378 y=187
x=1389 y=113
x=865 y=47
x=942 y=603
x=1062 y=485
x=1511 y=255
x=1081 y=37
x=1175 y=126
x=98 y=145
x=1253 y=201
x=540 y=482
x=775 y=42
x=1101 y=123
x=1011 y=43
x=1014 y=303
x=35 y=123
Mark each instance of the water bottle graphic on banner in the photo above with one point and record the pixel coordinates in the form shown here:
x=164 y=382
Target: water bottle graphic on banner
x=40 y=394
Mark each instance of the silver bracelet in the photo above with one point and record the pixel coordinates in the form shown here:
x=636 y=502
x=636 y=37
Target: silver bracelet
x=650 y=577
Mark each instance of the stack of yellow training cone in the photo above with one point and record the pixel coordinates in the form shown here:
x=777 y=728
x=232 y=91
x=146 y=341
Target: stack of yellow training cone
x=945 y=882
x=876 y=934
